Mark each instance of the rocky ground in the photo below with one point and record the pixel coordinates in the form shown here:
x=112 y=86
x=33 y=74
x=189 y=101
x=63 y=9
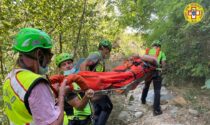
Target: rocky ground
x=187 y=105
x=181 y=106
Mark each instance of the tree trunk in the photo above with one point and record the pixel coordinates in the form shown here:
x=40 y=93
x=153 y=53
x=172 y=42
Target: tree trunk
x=60 y=42
x=1 y=54
x=80 y=28
x=85 y=47
x=1 y=60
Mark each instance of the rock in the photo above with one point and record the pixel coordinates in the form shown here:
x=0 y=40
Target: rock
x=179 y=101
x=173 y=110
x=138 y=114
x=164 y=91
x=164 y=107
x=144 y=109
x=131 y=98
x=117 y=122
x=208 y=113
x=193 y=112
x=163 y=102
x=123 y=115
x=195 y=118
x=150 y=97
x=133 y=108
x=166 y=97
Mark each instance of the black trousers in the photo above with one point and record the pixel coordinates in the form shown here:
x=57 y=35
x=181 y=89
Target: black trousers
x=157 y=83
x=102 y=109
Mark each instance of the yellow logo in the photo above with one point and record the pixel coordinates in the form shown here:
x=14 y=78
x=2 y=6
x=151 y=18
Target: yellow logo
x=193 y=13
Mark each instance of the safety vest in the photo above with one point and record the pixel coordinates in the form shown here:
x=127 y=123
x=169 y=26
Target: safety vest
x=16 y=93
x=80 y=114
x=100 y=65
x=156 y=54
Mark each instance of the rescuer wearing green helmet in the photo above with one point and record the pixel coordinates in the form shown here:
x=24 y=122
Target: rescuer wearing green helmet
x=156 y=52
x=26 y=93
x=96 y=62
x=77 y=105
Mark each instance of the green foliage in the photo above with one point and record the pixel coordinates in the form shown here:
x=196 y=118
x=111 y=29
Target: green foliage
x=62 y=20
x=186 y=45
x=130 y=44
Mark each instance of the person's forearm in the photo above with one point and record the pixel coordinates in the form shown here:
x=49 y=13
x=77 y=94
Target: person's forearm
x=149 y=59
x=83 y=103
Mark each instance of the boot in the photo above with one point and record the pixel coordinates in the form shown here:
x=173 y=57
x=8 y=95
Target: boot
x=157 y=112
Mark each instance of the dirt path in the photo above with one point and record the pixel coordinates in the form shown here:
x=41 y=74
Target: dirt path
x=181 y=106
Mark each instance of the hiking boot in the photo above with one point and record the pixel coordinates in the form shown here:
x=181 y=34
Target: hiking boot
x=157 y=112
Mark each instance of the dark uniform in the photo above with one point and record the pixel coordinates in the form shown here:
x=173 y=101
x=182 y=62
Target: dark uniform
x=157 y=82
x=102 y=105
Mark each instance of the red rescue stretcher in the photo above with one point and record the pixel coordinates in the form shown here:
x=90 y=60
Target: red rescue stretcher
x=124 y=77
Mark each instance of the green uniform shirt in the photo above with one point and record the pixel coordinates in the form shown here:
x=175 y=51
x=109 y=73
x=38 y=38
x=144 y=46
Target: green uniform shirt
x=161 y=56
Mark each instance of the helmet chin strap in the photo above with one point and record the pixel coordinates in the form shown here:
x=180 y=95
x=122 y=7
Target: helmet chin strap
x=36 y=62
x=21 y=63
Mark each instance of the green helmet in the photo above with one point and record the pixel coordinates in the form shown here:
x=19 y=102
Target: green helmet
x=106 y=43
x=156 y=43
x=63 y=57
x=29 y=39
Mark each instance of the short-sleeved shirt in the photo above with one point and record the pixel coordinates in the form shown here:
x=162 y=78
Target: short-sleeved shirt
x=42 y=105
x=94 y=57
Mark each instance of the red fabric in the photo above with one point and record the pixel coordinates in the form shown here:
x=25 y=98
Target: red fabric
x=78 y=79
x=122 y=68
x=105 y=80
x=130 y=70
x=70 y=79
x=56 y=79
